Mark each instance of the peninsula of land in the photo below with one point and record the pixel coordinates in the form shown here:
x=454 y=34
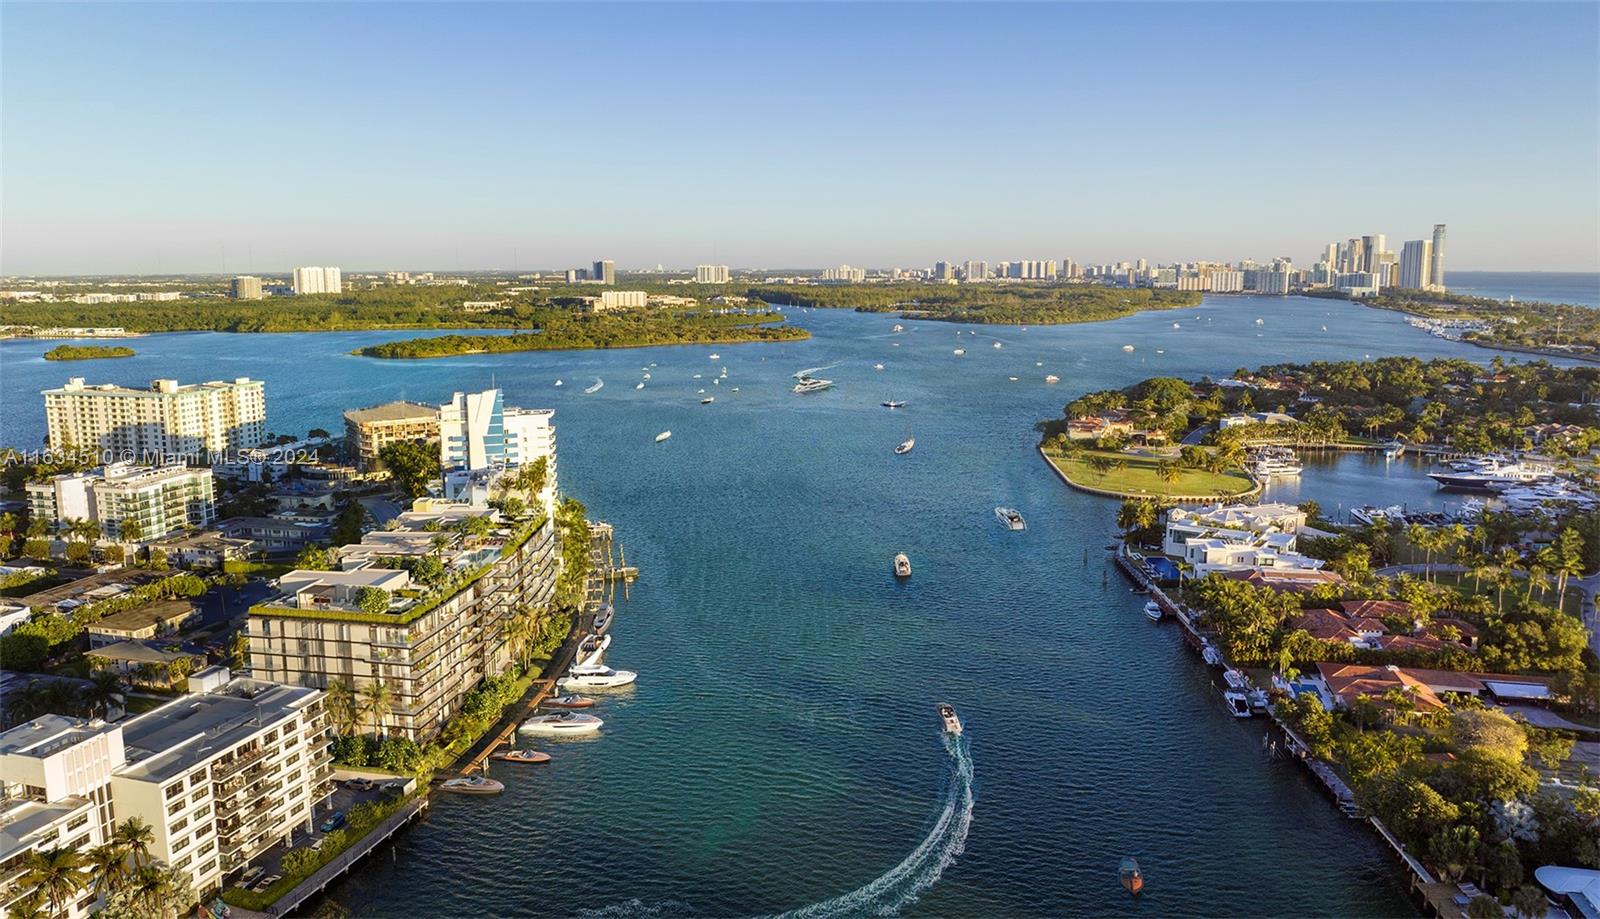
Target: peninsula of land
x=988 y=303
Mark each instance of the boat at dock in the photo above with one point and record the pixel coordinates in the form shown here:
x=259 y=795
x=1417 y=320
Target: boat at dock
x=905 y=446
x=1394 y=449
x=473 y=785
x=598 y=676
x=1010 y=518
x=561 y=724
x=1489 y=474
x=598 y=385
x=902 y=566
x=1275 y=462
x=947 y=714
x=1238 y=703
x=663 y=436
x=593 y=648
x=522 y=756
x=1130 y=876
x=1211 y=654
x=811 y=384
x=1235 y=679
x=893 y=403
x=602 y=620
x=1153 y=610
x=568 y=701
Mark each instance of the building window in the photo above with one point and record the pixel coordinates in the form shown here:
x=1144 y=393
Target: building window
x=77 y=822
x=173 y=790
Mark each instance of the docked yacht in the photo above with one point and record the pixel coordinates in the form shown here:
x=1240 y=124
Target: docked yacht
x=894 y=403
x=1238 y=703
x=947 y=714
x=1490 y=472
x=1152 y=609
x=811 y=384
x=1236 y=679
x=905 y=446
x=1369 y=515
x=473 y=785
x=602 y=620
x=561 y=724
x=593 y=648
x=1010 y=518
x=597 y=676
x=1276 y=462
x=522 y=756
x=902 y=566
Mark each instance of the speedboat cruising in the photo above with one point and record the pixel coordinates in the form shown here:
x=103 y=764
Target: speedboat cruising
x=905 y=446
x=1010 y=518
x=599 y=384
x=708 y=400
x=902 y=566
x=894 y=403
x=811 y=384
x=595 y=676
x=1490 y=473
x=947 y=714
x=561 y=724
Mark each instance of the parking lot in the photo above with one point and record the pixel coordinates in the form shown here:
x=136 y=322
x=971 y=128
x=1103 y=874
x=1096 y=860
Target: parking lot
x=346 y=794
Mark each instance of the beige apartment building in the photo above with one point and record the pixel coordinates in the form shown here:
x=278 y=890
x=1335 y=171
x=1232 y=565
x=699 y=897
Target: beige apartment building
x=162 y=499
x=220 y=775
x=368 y=430
x=166 y=419
x=434 y=643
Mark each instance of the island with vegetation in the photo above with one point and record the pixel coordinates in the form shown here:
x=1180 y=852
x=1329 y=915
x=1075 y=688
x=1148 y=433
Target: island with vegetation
x=558 y=330
x=86 y=352
x=997 y=303
x=1556 y=329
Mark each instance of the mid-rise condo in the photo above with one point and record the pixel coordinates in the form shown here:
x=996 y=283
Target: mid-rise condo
x=160 y=500
x=165 y=420
x=368 y=430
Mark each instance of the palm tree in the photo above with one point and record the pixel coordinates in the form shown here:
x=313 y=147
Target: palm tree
x=1507 y=561
x=342 y=706
x=1529 y=902
x=376 y=700
x=135 y=836
x=29 y=907
x=519 y=632
x=130 y=530
x=161 y=892
x=104 y=691
x=1170 y=473
x=108 y=864
x=57 y=873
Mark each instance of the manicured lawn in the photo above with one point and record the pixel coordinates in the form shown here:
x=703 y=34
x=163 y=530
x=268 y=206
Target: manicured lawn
x=1139 y=476
x=1572 y=604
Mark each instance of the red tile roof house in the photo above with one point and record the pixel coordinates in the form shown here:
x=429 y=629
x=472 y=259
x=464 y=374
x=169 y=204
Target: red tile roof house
x=1347 y=682
x=1286 y=581
x=1336 y=626
x=1360 y=623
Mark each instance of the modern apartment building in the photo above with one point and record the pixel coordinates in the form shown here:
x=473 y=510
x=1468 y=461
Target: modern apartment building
x=219 y=775
x=245 y=287
x=1416 y=264
x=162 y=499
x=1436 y=259
x=604 y=272
x=844 y=273
x=435 y=642
x=166 y=419
x=368 y=430
x=619 y=300
x=318 y=281
x=478 y=432
x=711 y=274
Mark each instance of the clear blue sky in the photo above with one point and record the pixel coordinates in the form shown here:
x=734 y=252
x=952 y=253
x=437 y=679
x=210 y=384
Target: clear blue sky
x=253 y=137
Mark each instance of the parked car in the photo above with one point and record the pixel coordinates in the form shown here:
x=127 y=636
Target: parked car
x=251 y=875
x=360 y=784
x=268 y=881
x=335 y=820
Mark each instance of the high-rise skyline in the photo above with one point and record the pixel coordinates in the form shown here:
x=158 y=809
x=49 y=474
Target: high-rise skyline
x=314 y=280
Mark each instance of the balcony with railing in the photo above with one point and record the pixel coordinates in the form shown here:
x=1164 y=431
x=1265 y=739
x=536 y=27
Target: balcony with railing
x=224 y=770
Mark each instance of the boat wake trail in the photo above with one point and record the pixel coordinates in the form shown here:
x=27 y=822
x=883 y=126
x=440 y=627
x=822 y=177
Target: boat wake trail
x=900 y=886
x=802 y=374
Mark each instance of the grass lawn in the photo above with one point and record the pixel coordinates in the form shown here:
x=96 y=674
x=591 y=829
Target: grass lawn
x=1139 y=476
x=1572 y=604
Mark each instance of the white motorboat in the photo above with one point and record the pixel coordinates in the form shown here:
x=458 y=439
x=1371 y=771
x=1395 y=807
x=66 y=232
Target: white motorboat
x=947 y=715
x=898 y=327
x=1013 y=379
x=716 y=381
x=639 y=385
x=902 y=566
x=877 y=366
x=1369 y=515
x=584 y=677
x=1238 y=703
x=602 y=620
x=1275 y=462
x=716 y=357
x=708 y=400
x=599 y=384
x=905 y=446
x=997 y=346
x=1176 y=326
x=1260 y=321
x=561 y=724
x=473 y=785
x=558 y=383
x=811 y=384
x=646 y=376
x=960 y=351
x=1128 y=348
x=1152 y=609
x=893 y=403
x=1010 y=518
x=1394 y=449
x=1212 y=655
x=592 y=650
x=663 y=436
x=1236 y=679
x=1051 y=378
x=522 y=756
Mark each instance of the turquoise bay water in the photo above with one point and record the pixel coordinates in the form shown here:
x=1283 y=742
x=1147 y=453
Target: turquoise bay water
x=780 y=750
x=1580 y=287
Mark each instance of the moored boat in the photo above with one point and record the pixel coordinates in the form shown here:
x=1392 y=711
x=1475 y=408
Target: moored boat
x=708 y=400
x=905 y=446
x=1152 y=609
x=522 y=756
x=561 y=724
x=593 y=648
x=1051 y=378
x=893 y=403
x=602 y=620
x=1010 y=518
x=1238 y=703
x=568 y=701
x=1131 y=877
x=902 y=566
x=597 y=676
x=473 y=785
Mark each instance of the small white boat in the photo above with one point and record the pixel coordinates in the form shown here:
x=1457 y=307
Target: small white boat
x=1212 y=655
x=561 y=724
x=647 y=376
x=1152 y=609
x=716 y=357
x=1052 y=378
x=736 y=389
x=1128 y=348
x=877 y=366
x=558 y=383
x=1010 y=518
x=717 y=381
x=1238 y=703
x=1236 y=679
x=1260 y=321
x=639 y=385
x=522 y=756
x=663 y=436
x=598 y=385
x=708 y=400
x=905 y=446
x=997 y=346
x=592 y=677
x=602 y=620
x=899 y=328
x=960 y=352
x=1038 y=363
x=947 y=714
x=695 y=377
x=1394 y=449
x=893 y=403
x=1176 y=326
x=473 y=785
x=1012 y=379
x=902 y=566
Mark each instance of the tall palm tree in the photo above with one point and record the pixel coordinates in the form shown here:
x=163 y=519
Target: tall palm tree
x=31 y=906
x=135 y=836
x=108 y=863
x=376 y=700
x=56 y=873
x=104 y=691
x=343 y=709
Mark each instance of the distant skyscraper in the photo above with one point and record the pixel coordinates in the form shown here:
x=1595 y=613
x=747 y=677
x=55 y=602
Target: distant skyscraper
x=844 y=273
x=943 y=271
x=975 y=271
x=1436 y=273
x=245 y=287
x=605 y=272
x=711 y=274
x=318 y=281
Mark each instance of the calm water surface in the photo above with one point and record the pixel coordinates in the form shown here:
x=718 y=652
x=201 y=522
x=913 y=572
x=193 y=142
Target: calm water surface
x=780 y=749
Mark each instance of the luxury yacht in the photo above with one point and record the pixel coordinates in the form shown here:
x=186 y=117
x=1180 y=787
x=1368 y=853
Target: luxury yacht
x=1273 y=462
x=1489 y=473
x=1010 y=518
x=583 y=676
x=811 y=384
x=473 y=785
x=947 y=714
x=902 y=566
x=905 y=446
x=593 y=648
x=522 y=756
x=561 y=724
